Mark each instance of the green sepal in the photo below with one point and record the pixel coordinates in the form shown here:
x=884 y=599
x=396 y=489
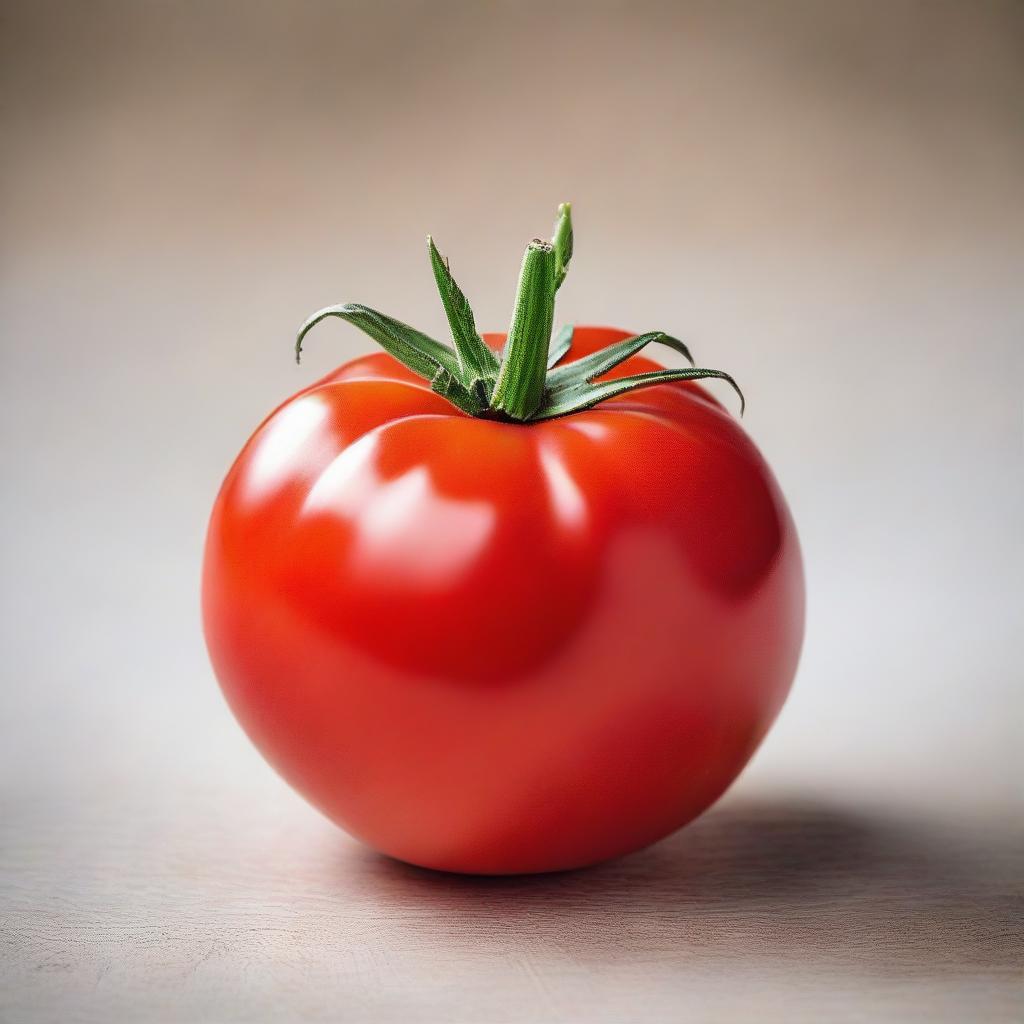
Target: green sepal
x=414 y=349
x=597 y=363
x=518 y=386
x=475 y=358
x=560 y=344
x=561 y=241
x=578 y=395
x=471 y=400
x=423 y=355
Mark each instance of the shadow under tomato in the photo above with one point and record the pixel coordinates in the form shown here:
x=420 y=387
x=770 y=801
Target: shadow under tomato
x=791 y=881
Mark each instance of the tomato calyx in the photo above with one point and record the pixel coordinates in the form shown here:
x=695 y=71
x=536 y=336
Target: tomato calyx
x=524 y=384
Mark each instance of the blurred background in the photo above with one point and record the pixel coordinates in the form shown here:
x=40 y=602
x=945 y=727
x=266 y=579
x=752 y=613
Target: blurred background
x=826 y=199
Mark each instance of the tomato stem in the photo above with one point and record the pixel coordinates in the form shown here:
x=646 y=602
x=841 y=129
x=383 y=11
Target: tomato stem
x=520 y=385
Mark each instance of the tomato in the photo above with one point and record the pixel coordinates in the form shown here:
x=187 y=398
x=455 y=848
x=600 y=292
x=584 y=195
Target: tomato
x=494 y=614
x=494 y=647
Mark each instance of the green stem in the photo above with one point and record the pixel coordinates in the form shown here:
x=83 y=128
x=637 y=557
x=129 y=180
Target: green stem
x=520 y=386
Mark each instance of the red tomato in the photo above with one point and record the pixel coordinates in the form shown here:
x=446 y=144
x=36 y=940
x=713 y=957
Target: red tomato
x=494 y=647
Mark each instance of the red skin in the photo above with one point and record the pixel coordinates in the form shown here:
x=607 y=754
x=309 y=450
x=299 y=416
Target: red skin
x=494 y=648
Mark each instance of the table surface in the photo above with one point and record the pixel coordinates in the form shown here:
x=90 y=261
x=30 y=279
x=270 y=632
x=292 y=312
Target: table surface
x=824 y=198
x=229 y=904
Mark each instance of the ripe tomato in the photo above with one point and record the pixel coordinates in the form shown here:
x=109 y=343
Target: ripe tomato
x=496 y=647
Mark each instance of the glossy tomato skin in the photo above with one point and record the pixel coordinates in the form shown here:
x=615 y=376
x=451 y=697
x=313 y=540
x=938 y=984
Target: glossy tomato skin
x=496 y=648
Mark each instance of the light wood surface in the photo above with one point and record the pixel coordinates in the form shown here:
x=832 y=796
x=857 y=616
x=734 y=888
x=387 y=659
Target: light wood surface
x=222 y=906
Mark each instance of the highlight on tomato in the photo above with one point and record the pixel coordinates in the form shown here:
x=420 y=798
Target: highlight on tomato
x=515 y=604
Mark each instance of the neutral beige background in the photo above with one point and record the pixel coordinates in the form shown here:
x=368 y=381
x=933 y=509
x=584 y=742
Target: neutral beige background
x=824 y=198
